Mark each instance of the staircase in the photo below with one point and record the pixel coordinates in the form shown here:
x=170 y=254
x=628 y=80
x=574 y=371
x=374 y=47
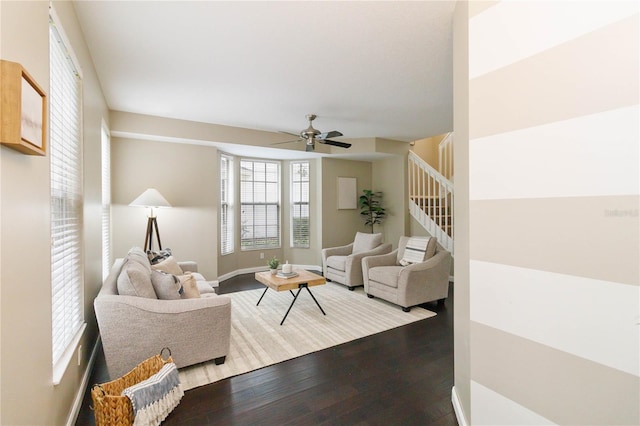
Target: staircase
x=431 y=198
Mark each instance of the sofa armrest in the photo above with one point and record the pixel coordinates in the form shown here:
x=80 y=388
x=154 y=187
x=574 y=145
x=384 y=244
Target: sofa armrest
x=354 y=263
x=334 y=251
x=368 y=262
x=428 y=279
x=135 y=328
x=188 y=266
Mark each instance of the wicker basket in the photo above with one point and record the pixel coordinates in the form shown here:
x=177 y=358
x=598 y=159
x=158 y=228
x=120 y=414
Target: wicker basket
x=112 y=409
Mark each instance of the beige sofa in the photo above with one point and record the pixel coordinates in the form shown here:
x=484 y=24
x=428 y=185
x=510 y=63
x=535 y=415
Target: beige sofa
x=135 y=327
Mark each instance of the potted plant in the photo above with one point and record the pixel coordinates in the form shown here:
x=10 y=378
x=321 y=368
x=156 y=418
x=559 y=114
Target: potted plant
x=273 y=265
x=370 y=207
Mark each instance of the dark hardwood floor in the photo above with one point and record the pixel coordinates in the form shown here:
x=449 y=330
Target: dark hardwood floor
x=402 y=376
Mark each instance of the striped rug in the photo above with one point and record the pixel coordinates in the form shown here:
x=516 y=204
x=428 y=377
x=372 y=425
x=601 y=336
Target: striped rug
x=258 y=339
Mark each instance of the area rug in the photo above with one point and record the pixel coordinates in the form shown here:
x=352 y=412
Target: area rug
x=258 y=339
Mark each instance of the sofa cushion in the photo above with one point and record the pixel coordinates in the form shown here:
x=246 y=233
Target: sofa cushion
x=204 y=287
x=387 y=275
x=135 y=280
x=337 y=262
x=169 y=265
x=366 y=242
x=189 y=287
x=418 y=249
x=166 y=286
x=136 y=254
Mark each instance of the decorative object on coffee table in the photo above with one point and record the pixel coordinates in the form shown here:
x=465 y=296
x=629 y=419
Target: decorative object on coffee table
x=273 y=264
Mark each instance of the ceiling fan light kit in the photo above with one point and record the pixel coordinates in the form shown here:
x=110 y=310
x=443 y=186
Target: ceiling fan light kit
x=311 y=135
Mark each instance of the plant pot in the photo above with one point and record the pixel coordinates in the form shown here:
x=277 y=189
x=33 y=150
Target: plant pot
x=273 y=271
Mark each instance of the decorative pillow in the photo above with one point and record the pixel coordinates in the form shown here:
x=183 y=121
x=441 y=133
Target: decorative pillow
x=166 y=286
x=169 y=265
x=418 y=249
x=189 y=286
x=158 y=256
x=135 y=280
x=136 y=254
x=366 y=242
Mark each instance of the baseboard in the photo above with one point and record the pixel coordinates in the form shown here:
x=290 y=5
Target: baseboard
x=77 y=403
x=260 y=269
x=457 y=408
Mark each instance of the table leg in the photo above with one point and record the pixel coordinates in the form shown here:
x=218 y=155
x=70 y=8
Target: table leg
x=314 y=299
x=292 y=302
x=265 y=291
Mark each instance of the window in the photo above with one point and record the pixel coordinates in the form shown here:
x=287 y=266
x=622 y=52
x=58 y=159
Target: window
x=226 y=204
x=260 y=204
x=300 y=204
x=66 y=201
x=106 y=202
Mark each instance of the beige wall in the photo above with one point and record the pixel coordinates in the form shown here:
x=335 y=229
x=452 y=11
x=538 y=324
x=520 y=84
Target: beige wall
x=340 y=226
x=26 y=391
x=551 y=331
x=389 y=176
x=187 y=176
x=427 y=149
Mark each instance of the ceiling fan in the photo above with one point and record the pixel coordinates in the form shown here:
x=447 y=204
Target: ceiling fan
x=311 y=136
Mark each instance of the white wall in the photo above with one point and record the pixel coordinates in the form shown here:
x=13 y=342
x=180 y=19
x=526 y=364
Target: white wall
x=27 y=395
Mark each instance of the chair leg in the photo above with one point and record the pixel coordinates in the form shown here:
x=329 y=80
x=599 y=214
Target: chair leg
x=406 y=309
x=220 y=360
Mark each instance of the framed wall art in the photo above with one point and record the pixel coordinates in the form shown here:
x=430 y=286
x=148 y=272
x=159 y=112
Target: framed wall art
x=23 y=110
x=347 y=198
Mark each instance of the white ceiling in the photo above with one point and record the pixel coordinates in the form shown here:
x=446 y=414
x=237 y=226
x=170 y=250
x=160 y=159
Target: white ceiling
x=367 y=69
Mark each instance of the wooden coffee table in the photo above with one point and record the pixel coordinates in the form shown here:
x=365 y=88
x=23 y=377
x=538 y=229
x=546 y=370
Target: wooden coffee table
x=305 y=279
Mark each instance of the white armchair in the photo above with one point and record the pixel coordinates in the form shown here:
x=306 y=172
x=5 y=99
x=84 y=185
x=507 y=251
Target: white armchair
x=385 y=277
x=344 y=264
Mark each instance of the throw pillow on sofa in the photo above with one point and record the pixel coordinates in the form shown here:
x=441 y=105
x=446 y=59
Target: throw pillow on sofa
x=135 y=280
x=158 y=256
x=166 y=286
x=189 y=287
x=136 y=254
x=169 y=265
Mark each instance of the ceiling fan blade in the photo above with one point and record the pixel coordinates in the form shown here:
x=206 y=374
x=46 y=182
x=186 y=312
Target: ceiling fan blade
x=291 y=141
x=289 y=133
x=336 y=143
x=331 y=134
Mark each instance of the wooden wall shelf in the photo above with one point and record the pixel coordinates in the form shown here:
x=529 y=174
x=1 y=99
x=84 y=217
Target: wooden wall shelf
x=23 y=110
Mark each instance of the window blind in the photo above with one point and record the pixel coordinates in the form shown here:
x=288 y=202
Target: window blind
x=106 y=202
x=259 y=204
x=226 y=204
x=300 y=204
x=66 y=196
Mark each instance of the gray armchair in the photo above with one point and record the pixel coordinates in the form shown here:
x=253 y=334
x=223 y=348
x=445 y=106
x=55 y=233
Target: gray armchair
x=344 y=264
x=411 y=285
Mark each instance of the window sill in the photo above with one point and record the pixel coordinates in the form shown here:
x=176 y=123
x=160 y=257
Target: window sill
x=60 y=367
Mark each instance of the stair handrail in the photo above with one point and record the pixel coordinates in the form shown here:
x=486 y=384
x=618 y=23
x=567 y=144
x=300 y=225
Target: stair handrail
x=445 y=156
x=430 y=191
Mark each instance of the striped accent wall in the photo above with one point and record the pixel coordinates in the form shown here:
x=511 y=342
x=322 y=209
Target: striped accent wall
x=554 y=224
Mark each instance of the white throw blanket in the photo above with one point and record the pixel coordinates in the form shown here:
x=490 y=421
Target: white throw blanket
x=153 y=399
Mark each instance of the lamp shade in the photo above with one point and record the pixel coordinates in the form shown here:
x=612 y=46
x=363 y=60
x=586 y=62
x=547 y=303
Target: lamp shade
x=150 y=198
